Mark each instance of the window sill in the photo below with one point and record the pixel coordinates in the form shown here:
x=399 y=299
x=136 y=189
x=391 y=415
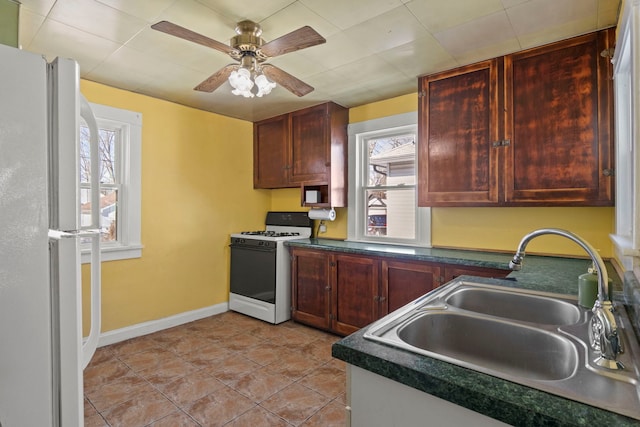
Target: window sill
x=391 y=243
x=113 y=253
x=624 y=251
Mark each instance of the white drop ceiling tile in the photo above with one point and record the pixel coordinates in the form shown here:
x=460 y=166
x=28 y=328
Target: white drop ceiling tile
x=293 y=17
x=500 y=48
x=199 y=18
x=539 y=15
x=340 y=49
x=28 y=26
x=346 y=13
x=173 y=87
x=179 y=51
x=439 y=15
x=422 y=56
x=368 y=71
x=96 y=18
x=298 y=64
x=393 y=28
x=559 y=32
x=239 y=10
x=478 y=34
x=510 y=3
x=148 y=10
x=356 y=96
x=127 y=60
x=332 y=81
x=41 y=7
x=57 y=39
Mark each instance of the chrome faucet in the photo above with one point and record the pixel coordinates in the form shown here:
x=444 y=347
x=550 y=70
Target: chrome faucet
x=603 y=329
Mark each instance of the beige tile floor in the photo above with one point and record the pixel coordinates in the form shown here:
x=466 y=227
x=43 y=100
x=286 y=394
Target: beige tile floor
x=225 y=370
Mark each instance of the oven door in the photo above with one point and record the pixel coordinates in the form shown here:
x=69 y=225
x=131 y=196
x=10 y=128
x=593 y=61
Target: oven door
x=253 y=270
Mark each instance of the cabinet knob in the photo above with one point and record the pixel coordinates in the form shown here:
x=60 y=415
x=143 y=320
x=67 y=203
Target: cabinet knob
x=608 y=172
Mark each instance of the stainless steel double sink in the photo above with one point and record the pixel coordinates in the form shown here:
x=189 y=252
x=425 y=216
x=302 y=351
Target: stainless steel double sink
x=532 y=338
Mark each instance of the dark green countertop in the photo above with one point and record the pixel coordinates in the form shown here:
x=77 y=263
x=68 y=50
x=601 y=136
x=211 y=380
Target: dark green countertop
x=500 y=399
x=551 y=274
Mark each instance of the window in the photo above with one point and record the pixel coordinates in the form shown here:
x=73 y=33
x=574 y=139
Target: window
x=383 y=182
x=120 y=139
x=627 y=99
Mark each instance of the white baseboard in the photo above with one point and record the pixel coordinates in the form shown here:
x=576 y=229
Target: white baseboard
x=118 y=335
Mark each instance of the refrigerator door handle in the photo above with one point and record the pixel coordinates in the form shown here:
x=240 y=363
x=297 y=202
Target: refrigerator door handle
x=72 y=234
x=91 y=344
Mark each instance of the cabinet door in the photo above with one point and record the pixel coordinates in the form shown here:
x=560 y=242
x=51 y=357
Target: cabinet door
x=453 y=271
x=402 y=282
x=309 y=155
x=458 y=125
x=310 y=296
x=558 y=122
x=270 y=150
x=355 y=292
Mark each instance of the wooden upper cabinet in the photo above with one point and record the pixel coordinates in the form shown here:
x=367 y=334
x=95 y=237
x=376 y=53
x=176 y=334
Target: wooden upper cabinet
x=310 y=157
x=270 y=152
x=307 y=149
x=528 y=129
x=458 y=122
x=559 y=122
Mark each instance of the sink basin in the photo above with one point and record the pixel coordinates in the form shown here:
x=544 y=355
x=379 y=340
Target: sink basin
x=516 y=305
x=488 y=344
x=536 y=339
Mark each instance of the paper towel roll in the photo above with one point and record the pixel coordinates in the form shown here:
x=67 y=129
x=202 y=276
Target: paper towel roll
x=322 y=214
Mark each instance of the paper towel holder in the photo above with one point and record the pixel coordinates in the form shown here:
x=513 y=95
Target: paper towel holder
x=323 y=214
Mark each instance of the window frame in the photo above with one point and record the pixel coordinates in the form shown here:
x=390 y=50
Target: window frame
x=626 y=239
x=358 y=134
x=128 y=182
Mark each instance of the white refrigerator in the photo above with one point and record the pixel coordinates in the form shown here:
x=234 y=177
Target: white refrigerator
x=42 y=354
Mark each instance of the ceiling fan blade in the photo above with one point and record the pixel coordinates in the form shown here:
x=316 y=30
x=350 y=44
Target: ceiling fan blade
x=286 y=80
x=216 y=79
x=299 y=39
x=184 y=33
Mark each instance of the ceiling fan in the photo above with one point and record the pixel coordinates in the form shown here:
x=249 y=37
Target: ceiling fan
x=251 y=51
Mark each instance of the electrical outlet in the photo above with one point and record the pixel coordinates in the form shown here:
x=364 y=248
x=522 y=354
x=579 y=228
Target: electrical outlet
x=323 y=227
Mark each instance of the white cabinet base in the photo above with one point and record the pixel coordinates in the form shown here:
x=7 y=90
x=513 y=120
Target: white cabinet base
x=376 y=401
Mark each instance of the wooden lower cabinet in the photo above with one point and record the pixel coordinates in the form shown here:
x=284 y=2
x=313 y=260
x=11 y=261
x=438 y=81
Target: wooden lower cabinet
x=311 y=291
x=355 y=292
x=343 y=293
x=453 y=271
x=403 y=281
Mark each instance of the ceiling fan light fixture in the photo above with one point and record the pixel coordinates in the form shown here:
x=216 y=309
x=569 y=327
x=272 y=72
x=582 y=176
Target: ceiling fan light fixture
x=249 y=75
x=264 y=85
x=241 y=82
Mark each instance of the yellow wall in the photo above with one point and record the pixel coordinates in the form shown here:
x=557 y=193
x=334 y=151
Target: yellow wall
x=197 y=188
x=485 y=228
x=9 y=13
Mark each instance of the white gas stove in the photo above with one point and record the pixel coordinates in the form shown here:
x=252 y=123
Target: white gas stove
x=260 y=284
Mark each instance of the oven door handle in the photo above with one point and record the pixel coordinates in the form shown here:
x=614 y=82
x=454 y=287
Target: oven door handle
x=253 y=248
